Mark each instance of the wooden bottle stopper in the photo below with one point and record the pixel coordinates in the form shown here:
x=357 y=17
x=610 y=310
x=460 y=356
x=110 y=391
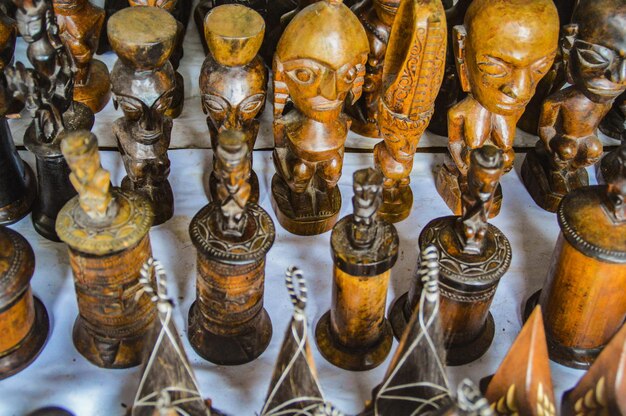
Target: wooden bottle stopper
x=582 y=301
x=24 y=323
x=227 y=323
x=233 y=78
x=106 y=230
x=143 y=83
x=354 y=334
x=473 y=256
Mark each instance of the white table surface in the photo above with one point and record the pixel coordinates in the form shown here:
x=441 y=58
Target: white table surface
x=60 y=376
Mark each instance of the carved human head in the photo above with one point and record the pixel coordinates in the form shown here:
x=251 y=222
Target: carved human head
x=597 y=59
x=320 y=61
x=503 y=49
x=367 y=185
x=485 y=169
x=32 y=18
x=81 y=40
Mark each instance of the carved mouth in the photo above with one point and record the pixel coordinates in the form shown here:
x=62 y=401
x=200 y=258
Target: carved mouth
x=327 y=105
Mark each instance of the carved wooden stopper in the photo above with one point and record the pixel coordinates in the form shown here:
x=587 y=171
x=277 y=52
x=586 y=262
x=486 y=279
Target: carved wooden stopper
x=582 y=303
x=107 y=234
x=24 y=321
x=228 y=324
x=354 y=334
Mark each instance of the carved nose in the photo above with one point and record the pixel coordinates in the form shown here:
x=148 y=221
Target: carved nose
x=150 y=120
x=519 y=87
x=328 y=87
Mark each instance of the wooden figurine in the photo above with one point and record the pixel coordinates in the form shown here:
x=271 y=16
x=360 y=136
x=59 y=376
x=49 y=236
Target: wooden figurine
x=168 y=385
x=143 y=86
x=233 y=78
x=468 y=402
x=473 y=257
x=80 y=24
x=602 y=390
x=24 y=323
x=280 y=14
x=228 y=324
x=319 y=63
x=569 y=118
x=411 y=77
x=523 y=384
x=582 y=301
x=613 y=125
x=294 y=388
x=354 y=334
x=416 y=381
x=377 y=17
x=502 y=50
x=18 y=189
x=106 y=230
x=46 y=90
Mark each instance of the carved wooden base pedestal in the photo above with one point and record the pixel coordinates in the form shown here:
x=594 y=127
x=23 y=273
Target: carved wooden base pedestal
x=19 y=208
x=96 y=93
x=160 y=196
x=305 y=214
x=397 y=203
x=253 y=181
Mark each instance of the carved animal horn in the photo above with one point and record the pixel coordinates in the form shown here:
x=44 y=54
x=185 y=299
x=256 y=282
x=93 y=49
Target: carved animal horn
x=602 y=390
x=523 y=382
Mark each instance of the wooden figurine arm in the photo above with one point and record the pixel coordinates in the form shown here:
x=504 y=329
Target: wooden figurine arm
x=456 y=126
x=547 y=121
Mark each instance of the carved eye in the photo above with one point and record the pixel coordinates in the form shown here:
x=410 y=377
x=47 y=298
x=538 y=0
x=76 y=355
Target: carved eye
x=302 y=75
x=493 y=69
x=253 y=105
x=592 y=59
x=213 y=105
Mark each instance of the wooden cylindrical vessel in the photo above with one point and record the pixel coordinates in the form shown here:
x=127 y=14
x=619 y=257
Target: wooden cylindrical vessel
x=354 y=334
x=106 y=262
x=227 y=323
x=24 y=321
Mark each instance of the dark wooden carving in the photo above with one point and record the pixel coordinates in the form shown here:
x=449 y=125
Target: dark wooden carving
x=228 y=324
x=613 y=125
x=416 y=381
x=24 y=321
x=46 y=90
x=473 y=257
x=354 y=334
x=602 y=390
x=233 y=78
x=143 y=86
x=317 y=76
x=582 y=300
x=80 y=24
x=18 y=189
x=500 y=74
x=106 y=230
x=411 y=77
x=592 y=49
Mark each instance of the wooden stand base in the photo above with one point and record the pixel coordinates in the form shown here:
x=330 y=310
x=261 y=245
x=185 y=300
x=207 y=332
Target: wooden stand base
x=253 y=181
x=353 y=359
x=96 y=93
x=178 y=99
x=313 y=216
x=161 y=197
x=466 y=353
x=18 y=209
x=44 y=225
x=397 y=204
x=31 y=345
x=237 y=349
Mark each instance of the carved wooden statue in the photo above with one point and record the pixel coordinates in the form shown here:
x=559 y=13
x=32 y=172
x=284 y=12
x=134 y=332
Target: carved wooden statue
x=523 y=384
x=80 y=24
x=106 y=230
x=473 y=257
x=46 y=90
x=228 y=324
x=411 y=77
x=596 y=68
x=18 y=189
x=613 y=125
x=319 y=63
x=582 y=301
x=280 y=14
x=502 y=50
x=416 y=381
x=468 y=402
x=143 y=86
x=24 y=323
x=602 y=390
x=168 y=385
x=377 y=17
x=233 y=78
x=354 y=334
x=294 y=388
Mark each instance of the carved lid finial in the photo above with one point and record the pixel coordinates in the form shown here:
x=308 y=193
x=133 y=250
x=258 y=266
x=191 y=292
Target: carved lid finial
x=367 y=185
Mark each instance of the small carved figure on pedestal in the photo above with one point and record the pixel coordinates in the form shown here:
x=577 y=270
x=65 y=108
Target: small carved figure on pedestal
x=46 y=90
x=106 y=230
x=613 y=125
x=502 y=51
x=233 y=78
x=354 y=334
x=595 y=53
x=227 y=323
x=319 y=63
x=473 y=257
x=143 y=86
x=411 y=77
x=80 y=24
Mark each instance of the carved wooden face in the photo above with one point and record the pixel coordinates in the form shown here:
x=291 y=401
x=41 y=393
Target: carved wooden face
x=31 y=26
x=599 y=70
x=82 y=44
x=367 y=185
x=486 y=168
x=162 y=4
